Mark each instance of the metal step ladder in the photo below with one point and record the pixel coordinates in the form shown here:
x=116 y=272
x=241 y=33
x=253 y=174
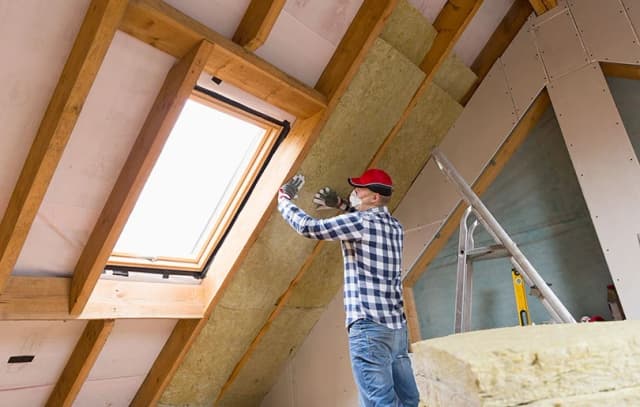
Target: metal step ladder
x=504 y=247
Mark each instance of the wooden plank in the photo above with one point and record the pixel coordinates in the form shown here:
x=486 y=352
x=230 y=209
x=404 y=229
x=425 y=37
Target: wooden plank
x=91 y=44
x=80 y=363
x=620 y=70
x=506 y=31
x=452 y=20
x=169 y=30
x=257 y=23
x=256 y=213
x=364 y=29
x=175 y=91
x=542 y=6
x=47 y=298
x=413 y=322
x=508 y=148
x=167 y=362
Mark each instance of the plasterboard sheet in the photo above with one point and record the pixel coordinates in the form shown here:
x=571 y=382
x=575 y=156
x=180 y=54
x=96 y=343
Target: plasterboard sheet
x=113 y=114
x=430 y=199
x=328 y=18
x=26 y=396
x=524 y=69
x=415 y=242
x=27 y=85
x=118 y=391
x=632 y=8
x=606 y=31
x=222 y=16
x=559 y=44
x=296 y=49
x=482 y=127
x=607 y=170
x=51 y=342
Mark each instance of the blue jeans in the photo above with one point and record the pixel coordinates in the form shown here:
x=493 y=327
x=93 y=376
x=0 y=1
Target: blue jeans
x=381 y=365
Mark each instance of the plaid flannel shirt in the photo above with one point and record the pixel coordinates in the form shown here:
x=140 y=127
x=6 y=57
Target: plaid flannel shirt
x=371 y=244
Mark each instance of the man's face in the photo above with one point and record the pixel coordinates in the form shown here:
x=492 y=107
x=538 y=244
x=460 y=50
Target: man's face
x=368 y=197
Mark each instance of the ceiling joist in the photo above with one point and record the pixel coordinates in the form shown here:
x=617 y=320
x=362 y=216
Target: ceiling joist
x=459 y=14
x=91 y=44
x=80 y=363
x=163 y=27
x=352 y=49
x=47 y=298
x=257 y=23
x=175 y=91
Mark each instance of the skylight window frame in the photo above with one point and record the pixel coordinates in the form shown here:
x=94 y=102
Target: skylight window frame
x=231 y=207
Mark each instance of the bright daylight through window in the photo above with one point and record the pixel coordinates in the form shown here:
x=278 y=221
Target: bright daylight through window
x=206 y=167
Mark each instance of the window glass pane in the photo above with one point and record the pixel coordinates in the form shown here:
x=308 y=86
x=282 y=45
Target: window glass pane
x=198 y=169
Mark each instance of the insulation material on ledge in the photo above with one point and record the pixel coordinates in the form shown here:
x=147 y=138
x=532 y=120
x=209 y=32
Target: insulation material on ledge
x=364 y=116
x=542 y=365
x=454 y=77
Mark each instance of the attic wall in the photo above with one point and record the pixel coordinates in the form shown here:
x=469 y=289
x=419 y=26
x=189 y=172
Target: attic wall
x=366 y=113
x=538 y=201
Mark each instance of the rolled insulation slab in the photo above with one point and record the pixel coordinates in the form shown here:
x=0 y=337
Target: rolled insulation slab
x=542 y=365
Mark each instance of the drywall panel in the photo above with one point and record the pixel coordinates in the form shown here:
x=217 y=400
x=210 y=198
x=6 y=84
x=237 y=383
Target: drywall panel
x=296 y=49
x=27 y=86
x=606 y=30
x=329 y=18
x=319 y=374
x=608 y=172
x=560 y=45
x=222 y=16
x=416 y=241
x=112 y=116
x=51 y=342
x=482 y=127
x=118 y=391
x=632 y=7
x=523 y=68
x=28 y=396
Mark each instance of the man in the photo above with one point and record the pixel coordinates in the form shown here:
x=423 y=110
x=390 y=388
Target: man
x=371 y=241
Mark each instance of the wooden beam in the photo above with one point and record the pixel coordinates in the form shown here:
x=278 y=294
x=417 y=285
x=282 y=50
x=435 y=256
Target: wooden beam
x=506 y=31
x=47 y=298
x=506 y=151
x=91 y=44
x=175 y=91
x=257 y=23
x=169 y=30
x=413 y=322
x=542 y=6
x=364 y=29
x=80 y=363
x=621 y=70
x=260 y=206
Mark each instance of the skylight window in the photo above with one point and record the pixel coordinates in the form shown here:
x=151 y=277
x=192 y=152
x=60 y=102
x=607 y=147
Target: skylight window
x=205 y=169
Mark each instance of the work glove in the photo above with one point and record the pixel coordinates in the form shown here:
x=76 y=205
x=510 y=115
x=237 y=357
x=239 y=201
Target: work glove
x=327 y=198
x=290 y=189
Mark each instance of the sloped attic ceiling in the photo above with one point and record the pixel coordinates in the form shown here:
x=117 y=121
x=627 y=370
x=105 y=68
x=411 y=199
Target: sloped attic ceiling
x=125 y=78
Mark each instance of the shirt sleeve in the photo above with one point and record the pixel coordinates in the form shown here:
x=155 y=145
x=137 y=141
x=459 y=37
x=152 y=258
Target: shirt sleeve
x=344 y=227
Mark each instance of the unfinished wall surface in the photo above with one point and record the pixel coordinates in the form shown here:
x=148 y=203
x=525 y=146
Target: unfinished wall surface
x=537 y=199
x=591 y=364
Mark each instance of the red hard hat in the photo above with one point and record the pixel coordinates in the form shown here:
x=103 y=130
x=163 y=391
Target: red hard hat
x=374 y=179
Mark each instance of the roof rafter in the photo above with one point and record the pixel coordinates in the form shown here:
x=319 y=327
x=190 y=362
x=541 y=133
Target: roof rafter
x=175 y=91
x=454 y=14
x=91 y=44
x=165 y=28
x=337 y=76
x=257 y=23
x=79 y=365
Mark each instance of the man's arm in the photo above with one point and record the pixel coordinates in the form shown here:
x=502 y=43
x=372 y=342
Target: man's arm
x=344 y=227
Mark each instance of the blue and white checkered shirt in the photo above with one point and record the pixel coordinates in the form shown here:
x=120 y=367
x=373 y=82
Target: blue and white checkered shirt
x=371 y=243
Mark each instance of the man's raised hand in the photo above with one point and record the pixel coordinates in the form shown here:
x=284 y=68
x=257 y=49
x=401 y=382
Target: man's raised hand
x=326 y=198
x=291 y=188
